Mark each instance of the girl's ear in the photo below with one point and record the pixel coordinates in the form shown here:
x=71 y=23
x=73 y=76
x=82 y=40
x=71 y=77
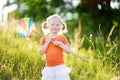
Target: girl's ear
x=63 y=26
x=44 y=25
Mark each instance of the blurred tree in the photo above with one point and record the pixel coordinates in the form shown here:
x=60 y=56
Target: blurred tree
x=99 y=12
x=40 y=9
x=90 y=13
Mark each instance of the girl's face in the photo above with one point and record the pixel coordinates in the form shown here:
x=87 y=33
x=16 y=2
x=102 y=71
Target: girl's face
x=54 y=25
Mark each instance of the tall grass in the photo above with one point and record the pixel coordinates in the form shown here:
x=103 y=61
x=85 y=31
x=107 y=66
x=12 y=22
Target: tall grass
x=103 y=57
x=19 y=57
x=20 y=60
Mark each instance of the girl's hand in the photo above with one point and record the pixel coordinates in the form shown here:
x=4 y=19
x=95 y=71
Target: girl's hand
x=57 y=43
x=48 y=39
x=65 y=47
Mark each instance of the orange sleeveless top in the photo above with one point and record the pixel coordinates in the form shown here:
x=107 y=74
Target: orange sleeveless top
x=54 y=54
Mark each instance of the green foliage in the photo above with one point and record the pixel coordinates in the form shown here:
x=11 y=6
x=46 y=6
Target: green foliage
x=92 y=17
x=89 y=16
x=40 y=9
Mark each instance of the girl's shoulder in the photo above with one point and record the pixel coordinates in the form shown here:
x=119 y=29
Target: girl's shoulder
x=44 y=37
x=62 y=37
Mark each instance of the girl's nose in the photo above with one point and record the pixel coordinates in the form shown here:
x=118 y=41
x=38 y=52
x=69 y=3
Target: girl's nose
x=55 y=26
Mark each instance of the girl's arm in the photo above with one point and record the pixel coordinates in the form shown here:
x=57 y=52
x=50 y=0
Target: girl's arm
x=43 y=47
x=65 y=47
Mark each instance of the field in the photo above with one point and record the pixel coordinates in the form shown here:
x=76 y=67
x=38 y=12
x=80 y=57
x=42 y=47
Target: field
x=20 y=59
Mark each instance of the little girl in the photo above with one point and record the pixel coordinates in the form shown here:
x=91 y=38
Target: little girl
x=53 y=45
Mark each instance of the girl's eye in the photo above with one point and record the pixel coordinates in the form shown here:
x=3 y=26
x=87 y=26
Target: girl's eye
x=57 y=24
x=52 y=24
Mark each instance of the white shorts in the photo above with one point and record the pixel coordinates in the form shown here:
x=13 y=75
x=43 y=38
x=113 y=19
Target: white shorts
x=60 y=72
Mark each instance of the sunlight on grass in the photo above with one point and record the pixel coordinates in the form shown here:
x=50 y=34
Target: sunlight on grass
x=20 y=60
